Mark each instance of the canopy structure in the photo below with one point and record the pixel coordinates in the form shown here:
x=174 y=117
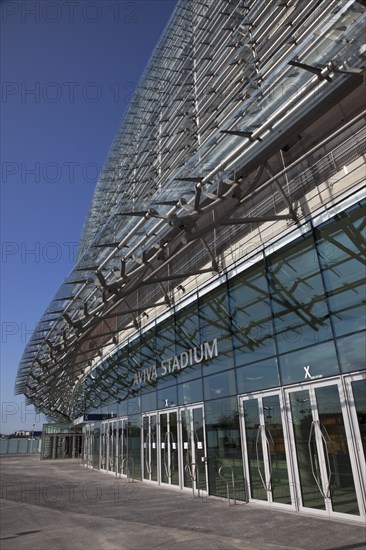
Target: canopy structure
x=210 y=151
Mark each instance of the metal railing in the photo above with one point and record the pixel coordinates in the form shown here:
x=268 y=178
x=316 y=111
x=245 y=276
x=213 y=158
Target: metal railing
x=227 y=482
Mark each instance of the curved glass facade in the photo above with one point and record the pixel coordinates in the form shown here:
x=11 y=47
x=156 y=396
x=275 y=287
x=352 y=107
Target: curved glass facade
x=274 y=353
x=300 y=307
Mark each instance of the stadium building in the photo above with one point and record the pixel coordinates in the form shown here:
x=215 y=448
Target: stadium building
x=211 y=334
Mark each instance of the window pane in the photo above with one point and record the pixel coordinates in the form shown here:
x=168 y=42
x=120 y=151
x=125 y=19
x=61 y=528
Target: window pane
x=251 y=317
x=341 y=251
x=258 y=376
x=300 y=312
x=309 y=364
x=214 y=324
x=219 y=385
x=352 y=352
x=188 y=337
x=223 y=446
x=190 y=392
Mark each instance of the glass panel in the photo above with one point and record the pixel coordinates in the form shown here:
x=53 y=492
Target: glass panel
x=188 y=337
x=190 y=392
x=148 y=402
x=146 y=446
x=199 y=446
x=165 y=466
x=173 y=440
x=302 y=423
x=150 y=447
x=224 y=446
x=308 y=364
x=165 y=349
x=251 y=317
x=214 y=323
x=351 y=351
x=154 y=447
x=169 y=448
x=299 y=307
x=342 y=488
x=187 y=447
x=133 y=468
x=359 y=395
x=258 y=376
x=276 y=448
x=254 y=448
x=219 y=385
x=340 y=244
x=167 y=397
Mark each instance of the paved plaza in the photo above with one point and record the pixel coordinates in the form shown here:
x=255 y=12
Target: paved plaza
x=59 y=505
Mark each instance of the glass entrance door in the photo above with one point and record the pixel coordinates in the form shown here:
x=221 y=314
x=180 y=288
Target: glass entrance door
x=327 y=465
x=194 y=464
x=121 y=446
x=169 y=465
x=266 y=450
x=150 y=447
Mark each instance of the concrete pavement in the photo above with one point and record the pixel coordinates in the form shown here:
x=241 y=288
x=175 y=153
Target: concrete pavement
x=59 y=505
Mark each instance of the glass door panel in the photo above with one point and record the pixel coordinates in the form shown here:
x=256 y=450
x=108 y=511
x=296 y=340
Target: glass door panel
x=169 y=470
x=308 y=466
x=121 y=444
x=254 y=450
x=359 y=396
x=193 y=448
x=341 y=487
x=278 y=485
x=265 y=449
x=149 y=447
x=325 y=457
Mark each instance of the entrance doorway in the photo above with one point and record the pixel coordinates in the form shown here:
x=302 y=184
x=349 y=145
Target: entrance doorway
x=113 y=448
x=304 y=447
x=174 y=448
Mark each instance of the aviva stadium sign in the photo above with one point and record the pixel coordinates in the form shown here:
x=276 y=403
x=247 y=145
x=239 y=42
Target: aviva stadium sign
x=193 y=356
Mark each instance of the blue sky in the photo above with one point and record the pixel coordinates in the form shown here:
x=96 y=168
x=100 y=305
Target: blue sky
x=68 y=69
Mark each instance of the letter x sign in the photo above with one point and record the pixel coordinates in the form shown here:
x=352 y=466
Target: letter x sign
x=307 y=372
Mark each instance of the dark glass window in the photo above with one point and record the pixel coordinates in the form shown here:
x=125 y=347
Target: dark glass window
x=258 y=376
x=190 y=392
x=300 y=311
x=165 y=349
x=188 y=338
x=223 y=446
x=214 y=324
x=352 y=352
x=309 y=364
x=341 y=246
x=167 y=397
x=219 y=385
x=148 y=402
x=251 y=317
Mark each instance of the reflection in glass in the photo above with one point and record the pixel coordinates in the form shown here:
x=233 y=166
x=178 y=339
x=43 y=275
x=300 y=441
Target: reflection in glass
x=279 y=482
x=342 y=488
x=223 y=445
x=351 y=352
x=219 y=385
x=314 y=362
x=258 y=376
x=251 y=317
x=214 y=323
x=341 y=246
x=307 y=458
x=169 y=472
x=150 y=447
x=299 y=307
x=359 y=396
x=254 y=449
x=190 y=392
